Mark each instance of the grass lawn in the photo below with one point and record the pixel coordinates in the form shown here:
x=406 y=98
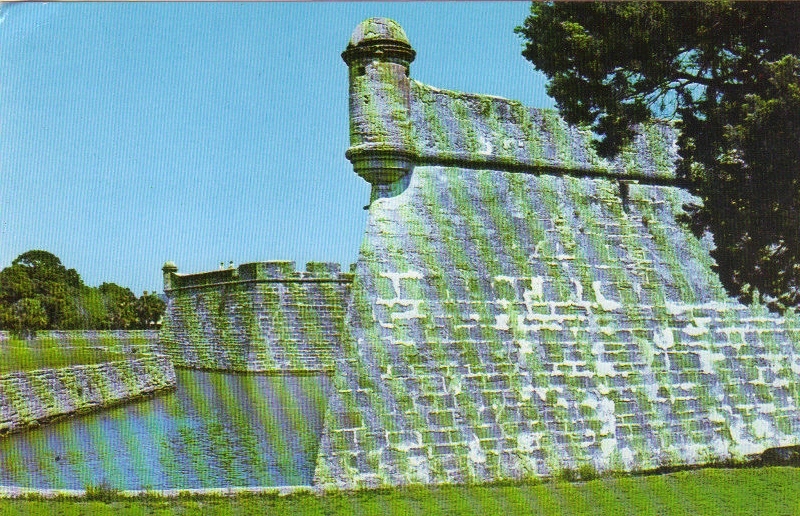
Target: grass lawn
x=728 y=492
x=47 y=351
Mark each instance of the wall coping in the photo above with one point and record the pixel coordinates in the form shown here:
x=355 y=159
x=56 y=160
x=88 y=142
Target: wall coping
x=256 y=272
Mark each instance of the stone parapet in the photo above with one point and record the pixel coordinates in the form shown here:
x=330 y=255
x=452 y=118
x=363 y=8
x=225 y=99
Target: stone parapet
x=483 y=131
x=272 y=271
x=397 y=123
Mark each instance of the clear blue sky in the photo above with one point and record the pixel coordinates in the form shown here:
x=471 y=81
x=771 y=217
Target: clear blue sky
x=135 y=133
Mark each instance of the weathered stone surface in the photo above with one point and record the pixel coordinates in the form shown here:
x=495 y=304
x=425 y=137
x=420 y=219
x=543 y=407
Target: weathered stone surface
x=456 y=128
x=508 y=325
x=521 y=312
x=30 y=398
x=258 y=317
x=520 y=306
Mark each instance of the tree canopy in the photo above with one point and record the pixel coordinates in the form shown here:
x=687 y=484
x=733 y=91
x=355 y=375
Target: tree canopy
x=728 y=74
x=38 y=292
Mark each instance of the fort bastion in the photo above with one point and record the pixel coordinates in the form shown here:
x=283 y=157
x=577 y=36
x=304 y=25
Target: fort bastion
x=519 y=306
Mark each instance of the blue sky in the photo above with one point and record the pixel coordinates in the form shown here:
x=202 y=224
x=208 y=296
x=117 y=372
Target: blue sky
x=135 y=133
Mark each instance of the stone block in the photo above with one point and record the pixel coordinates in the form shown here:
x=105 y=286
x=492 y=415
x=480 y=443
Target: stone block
x=323 y=269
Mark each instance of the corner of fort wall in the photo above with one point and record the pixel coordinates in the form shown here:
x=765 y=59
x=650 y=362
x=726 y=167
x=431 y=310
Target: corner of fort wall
x=522 y=307
x=264 y=317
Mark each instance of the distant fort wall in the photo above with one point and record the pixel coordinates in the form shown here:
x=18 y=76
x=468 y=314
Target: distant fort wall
x=264 y=317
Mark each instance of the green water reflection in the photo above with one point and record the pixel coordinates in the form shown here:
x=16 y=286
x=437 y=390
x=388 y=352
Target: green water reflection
x=215 y=430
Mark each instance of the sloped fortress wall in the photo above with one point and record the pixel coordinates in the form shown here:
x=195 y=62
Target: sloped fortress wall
x=264 y=317
x=521 y=307
x=31 y=398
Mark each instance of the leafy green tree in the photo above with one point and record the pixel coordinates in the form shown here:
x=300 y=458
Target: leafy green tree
x=92 y=309
x=24 y=317
x=120 y=304
x=40 y=275
x=149 y=308
x=15 y=284
x=729 y=75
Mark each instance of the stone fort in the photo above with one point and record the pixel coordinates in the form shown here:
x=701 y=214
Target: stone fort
x=519 y=306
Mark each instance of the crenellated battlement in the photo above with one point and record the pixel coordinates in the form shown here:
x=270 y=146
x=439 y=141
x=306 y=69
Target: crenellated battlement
x=269 y=271
x=260 y=316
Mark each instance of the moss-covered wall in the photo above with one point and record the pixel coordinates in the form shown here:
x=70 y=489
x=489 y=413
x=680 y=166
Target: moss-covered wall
x=30 y=398
x=455 y=128
x=258 y=317
x=507 y=325
x=522 y=307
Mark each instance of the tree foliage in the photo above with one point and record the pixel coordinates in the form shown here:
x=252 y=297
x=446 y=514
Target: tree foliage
x=729 y=75
x=38 y=292
x=149 y=310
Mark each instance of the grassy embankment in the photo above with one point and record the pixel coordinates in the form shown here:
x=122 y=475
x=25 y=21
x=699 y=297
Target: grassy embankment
x=729 y=492
x=51 y=350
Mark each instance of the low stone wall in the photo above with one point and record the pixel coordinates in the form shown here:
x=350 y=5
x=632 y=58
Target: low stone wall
x=30 y=398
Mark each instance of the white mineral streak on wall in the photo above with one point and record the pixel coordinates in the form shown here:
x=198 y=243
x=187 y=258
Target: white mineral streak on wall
x=678 y=308
x=536 y=292
x=395 y=278
x=420 y=469
x=606 y=416
x=415 y=304
x=605 y=368
x=455 y=386
x=699 y=327
x=607 y=305
x=578 y=290
x=608 y=446
x=742 y=444
x=525 y=392
x=486 y=146
x=525 y=346
x=707 y=360
x=664 y=339
x=476 y=453
x=602 y=368
x=414 y=313
x=527 y=442
x=501 y=322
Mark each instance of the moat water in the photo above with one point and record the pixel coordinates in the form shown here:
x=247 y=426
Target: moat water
x=215 y=430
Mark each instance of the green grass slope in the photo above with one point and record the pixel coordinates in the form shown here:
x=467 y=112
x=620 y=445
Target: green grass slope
x=756 y=491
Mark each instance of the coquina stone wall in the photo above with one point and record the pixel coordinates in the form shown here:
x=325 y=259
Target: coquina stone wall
x=264 y=317
x=30 y=398
x=521 y=307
